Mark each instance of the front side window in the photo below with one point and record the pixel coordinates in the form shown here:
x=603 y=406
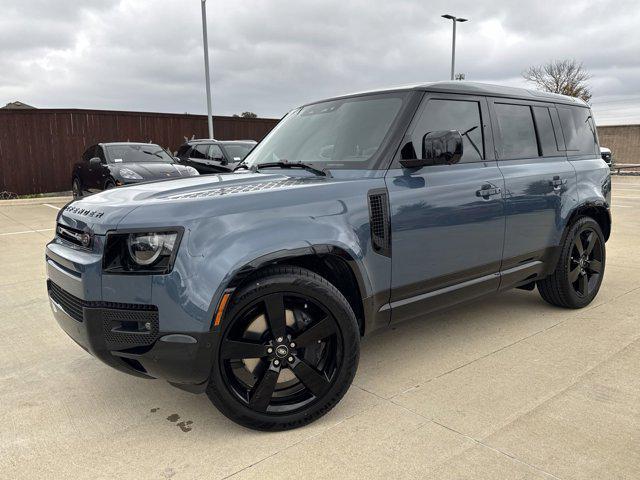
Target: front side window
x=578 y=129
x=147 y=152
x=517 y=131
x=344 y=133
x=438 y=115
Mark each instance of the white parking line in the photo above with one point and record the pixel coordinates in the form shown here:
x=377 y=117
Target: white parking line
x=27 y=231
x=51 y=206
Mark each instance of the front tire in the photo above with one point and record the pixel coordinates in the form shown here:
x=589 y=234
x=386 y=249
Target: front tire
x=287 y=353
x=578 y=275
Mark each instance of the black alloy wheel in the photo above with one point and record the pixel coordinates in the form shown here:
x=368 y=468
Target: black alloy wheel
x=585 y=262
x=577 y=277
x=288 y=352
x=281 y=353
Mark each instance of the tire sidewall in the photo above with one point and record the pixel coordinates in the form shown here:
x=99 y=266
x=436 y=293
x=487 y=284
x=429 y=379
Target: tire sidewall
x=323 y=294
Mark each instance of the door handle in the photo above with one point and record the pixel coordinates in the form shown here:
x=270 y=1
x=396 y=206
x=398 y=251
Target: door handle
x=487 y=191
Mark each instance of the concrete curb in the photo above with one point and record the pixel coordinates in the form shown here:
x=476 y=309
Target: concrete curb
x=35 y=201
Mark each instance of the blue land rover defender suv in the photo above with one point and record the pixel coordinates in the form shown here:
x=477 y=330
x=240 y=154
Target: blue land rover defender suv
x=353 y=214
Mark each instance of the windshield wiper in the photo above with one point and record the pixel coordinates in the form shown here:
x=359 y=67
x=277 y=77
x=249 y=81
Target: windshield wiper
x=285 y=164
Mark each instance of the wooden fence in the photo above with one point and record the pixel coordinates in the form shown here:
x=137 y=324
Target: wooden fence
x=39 y=147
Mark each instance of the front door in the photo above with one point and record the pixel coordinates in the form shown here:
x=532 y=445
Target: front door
x=447 y=221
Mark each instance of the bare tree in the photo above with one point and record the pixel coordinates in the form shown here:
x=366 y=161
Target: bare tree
x=567 y=77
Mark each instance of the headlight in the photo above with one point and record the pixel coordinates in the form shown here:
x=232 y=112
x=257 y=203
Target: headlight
x=141 y=252
x=129 y=174
x=191 y=171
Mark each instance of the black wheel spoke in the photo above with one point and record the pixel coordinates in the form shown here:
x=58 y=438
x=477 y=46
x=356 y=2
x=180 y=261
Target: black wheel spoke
x=310 y=377
x=263 y=390
x=235 y=350
x=274 y=306
x=595 y=266
x=574 y=274
x=579 y=246
x=318 y=331
x=591 y=242
x=583 y=287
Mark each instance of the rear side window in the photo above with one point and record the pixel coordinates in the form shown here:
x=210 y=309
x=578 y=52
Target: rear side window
x=578 y=129
x=546 y=134
x=215 y=153
x=200 y=151
x=461 y=115
x=517 y=131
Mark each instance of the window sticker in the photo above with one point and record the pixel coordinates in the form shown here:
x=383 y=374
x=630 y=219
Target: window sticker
x=117 y=160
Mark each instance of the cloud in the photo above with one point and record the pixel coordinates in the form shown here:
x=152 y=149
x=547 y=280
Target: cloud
x=268 y=57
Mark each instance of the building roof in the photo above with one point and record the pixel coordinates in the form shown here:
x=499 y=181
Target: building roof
x=17 y=105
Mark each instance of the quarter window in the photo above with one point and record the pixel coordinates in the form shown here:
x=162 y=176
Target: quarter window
x=517 y=131
x=578 y=129
x=461 y=115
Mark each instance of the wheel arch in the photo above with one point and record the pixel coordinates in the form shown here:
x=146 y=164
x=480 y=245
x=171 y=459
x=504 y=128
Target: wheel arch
x=334 y=263
x=598 y=210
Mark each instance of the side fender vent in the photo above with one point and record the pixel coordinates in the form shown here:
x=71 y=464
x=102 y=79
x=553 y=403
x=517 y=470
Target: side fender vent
x=379 y=222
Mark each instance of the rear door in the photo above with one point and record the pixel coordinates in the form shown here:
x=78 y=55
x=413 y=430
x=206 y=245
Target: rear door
x=447 y=221
x=540 y=186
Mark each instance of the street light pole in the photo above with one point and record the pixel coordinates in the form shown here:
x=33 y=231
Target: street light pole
x=206 y=66
x=455 y=20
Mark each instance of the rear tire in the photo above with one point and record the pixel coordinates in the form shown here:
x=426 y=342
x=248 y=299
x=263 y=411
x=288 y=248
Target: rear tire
x=287 y=352
x=578 y=275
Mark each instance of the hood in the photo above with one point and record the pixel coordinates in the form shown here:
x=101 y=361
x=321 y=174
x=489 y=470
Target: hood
x=152 y=170
x=105 y=210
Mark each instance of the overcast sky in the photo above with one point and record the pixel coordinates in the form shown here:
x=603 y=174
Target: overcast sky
x=269 y=56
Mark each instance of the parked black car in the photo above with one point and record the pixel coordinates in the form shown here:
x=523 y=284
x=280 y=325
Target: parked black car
x=108 y=165
x=214 y=156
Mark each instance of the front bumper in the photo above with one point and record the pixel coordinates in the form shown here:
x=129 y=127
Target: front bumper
x=131 y=337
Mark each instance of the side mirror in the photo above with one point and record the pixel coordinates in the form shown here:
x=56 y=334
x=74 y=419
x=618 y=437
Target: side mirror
x=438 y=148
x=177 y=159
x=95 y=161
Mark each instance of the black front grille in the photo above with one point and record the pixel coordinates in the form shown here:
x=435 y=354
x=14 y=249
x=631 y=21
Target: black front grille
x=379 y=221
x=70 y=304
x=124 y=324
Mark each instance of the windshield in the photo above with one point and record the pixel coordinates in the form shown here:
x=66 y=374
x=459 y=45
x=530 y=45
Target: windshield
x=238 y=151
x=147 y=152
x=343 y=133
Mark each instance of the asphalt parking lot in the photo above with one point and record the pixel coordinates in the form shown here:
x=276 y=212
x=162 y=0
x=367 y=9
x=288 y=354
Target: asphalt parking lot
x=508 y=387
